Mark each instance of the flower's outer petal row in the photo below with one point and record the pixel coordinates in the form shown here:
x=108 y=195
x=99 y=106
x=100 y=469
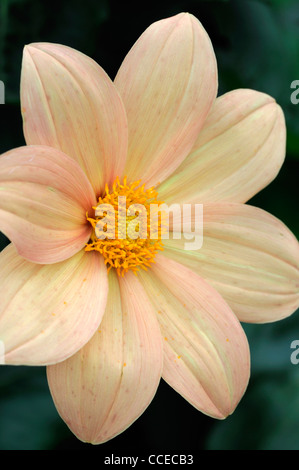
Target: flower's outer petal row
x=68 y=102
x=102 y=389
x=249 y=256
x=168 y=82
x=206 y=354
x=44 y=199
x=48 y=312
x=238 y=152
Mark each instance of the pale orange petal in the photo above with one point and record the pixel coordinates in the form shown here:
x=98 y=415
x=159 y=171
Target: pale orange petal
x=168 y=82
x=102 y=389
x=206 y=355
x=48 y=312
x=44 y=199
x=249 y=256
x=69 y=102
x=238 y=152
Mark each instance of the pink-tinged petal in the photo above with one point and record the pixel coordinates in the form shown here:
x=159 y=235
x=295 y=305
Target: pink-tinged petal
x=48 y=312
x=206 y=354
x=249 y=256
x=106 y=386
x=238 y=152
x=69 y=102
x=44 y=199
x=168 y=82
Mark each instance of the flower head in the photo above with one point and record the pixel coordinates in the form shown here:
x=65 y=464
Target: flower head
x=157 y=133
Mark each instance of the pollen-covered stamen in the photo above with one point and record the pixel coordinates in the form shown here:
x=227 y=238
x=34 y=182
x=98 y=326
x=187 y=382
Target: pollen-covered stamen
x=123 y=248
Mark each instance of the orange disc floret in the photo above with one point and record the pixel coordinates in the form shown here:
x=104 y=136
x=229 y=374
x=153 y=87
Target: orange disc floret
x=118 y=243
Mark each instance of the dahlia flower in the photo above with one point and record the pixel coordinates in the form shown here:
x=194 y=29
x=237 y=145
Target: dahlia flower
x=111 y=317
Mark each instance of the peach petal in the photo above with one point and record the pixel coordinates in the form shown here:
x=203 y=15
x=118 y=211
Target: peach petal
x=238 y=152
x=249 y=256
x=44 y=199
x=48 y=312
x=69 y=102
x=168 y=82
x=206 y=354
x=103 y=388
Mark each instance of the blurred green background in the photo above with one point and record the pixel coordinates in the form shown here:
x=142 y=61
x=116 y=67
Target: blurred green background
x=257 y=46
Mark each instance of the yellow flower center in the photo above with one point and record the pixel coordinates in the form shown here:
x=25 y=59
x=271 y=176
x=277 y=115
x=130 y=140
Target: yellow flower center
x=123 y=231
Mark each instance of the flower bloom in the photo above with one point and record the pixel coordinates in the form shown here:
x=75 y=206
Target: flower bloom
x=107 y=339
